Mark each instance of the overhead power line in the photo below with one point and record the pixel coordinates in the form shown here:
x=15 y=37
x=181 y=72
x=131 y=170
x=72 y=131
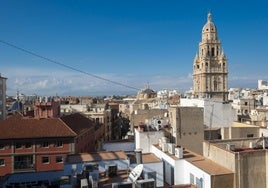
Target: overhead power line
x=64 y=65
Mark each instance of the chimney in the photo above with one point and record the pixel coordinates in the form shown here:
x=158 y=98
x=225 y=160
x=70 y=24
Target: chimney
x=138 y=153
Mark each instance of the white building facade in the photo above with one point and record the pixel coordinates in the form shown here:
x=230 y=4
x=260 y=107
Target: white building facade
x=216 y=112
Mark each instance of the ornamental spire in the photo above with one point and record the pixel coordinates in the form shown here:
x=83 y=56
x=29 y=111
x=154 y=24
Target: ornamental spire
x=209 y=17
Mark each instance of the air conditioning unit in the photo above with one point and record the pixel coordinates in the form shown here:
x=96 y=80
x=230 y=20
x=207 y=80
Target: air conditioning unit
x=83 y=183
x=252 y=144
x=148 y=183
x=179 y=153
x=230 y=146
x=122 y=185
x=93 y=182
x=111 y=170
x=164 y=139
x=160 y=142
x=164 y=147
x=171 y=148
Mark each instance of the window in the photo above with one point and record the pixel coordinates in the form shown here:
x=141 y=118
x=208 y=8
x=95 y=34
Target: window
x=18 y=146
x=2 y=162
x=45 y=145
x=250 y=135
x=59 y=144
x=192 y=179
x=28 y=145
x=246 y=103
x=2 y=146
x=59 y=159
x=45 y=160
x=23 y=162
x=212 y=51
x=199 y=182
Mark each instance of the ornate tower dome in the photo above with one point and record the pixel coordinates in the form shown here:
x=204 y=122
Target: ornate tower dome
x=209 y=31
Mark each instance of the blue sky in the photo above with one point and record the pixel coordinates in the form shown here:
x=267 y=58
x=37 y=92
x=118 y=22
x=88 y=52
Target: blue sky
x=133 y=42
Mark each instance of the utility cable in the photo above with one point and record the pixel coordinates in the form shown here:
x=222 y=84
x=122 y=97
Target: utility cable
x=64 y=65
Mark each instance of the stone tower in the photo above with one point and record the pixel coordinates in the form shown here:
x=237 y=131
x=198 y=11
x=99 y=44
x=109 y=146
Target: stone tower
x=210 y=72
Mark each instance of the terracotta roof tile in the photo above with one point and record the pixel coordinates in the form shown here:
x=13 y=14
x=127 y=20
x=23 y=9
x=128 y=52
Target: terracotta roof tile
x=78 y=123
x=19 y=127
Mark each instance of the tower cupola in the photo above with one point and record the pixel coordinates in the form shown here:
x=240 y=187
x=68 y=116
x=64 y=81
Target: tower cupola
x=209 y=31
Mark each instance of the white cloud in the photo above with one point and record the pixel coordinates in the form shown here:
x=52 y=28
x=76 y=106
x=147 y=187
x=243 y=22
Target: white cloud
x=52 y=82
x=44 y=82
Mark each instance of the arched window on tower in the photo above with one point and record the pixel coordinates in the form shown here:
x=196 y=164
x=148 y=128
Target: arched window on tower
x=212 y=51
x=215 y=84
x=219 y=83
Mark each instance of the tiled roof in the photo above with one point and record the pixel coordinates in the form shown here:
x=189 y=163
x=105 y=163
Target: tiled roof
x=78 y=123
x=17 y=127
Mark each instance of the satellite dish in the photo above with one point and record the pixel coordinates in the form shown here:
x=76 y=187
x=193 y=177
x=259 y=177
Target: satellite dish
x=135 y=173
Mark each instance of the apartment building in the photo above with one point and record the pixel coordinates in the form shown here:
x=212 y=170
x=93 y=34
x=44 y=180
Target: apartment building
x=246 y=158
x=103 y=114
x=180 y=165
x=243 y=107
x=40 y=143
x=216 y=112
x=31 y=145
x=141 y=115
x=187 y=127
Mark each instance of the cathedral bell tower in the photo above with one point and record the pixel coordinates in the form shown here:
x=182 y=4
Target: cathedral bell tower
x=210 y=72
